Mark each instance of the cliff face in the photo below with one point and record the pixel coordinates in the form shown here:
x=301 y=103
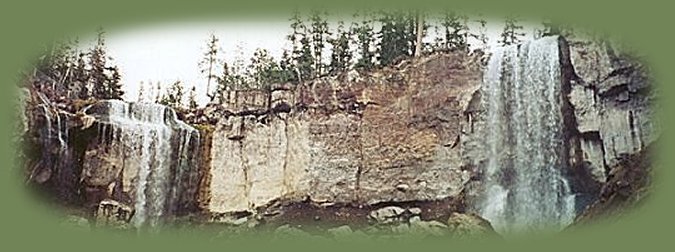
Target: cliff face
x=614 y=103
x=411 y=136
x=387 y=136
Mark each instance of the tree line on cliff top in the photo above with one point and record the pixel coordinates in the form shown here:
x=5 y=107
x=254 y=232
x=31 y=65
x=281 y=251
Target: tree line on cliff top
x=372 y=40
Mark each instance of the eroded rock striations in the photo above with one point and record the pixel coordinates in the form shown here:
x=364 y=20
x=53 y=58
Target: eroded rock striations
x=390 y=137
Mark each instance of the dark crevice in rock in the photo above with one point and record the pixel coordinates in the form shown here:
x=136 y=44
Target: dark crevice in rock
x=578 y=173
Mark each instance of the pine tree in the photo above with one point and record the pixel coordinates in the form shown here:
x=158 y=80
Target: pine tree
x=225 y=84
x=104 y=79
x=455 y=32
x=305 y=60
x=395 y=37
x=237 y=72
x=81 y=76
x=114 y=83
x=286 y=68
x=208 y=63
x=512 y=32
x=141 y=92
x=192 y=98
x=302 y=53
x=319 y=34
x=364 y=38
x=263 y=70
x=173 y=96
x=481 y=34
x=341 y=54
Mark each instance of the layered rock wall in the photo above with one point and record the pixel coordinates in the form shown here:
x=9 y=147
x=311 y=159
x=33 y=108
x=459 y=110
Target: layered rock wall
x=390 y=136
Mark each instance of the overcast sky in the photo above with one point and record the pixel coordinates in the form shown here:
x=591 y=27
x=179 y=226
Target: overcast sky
x=171 y=51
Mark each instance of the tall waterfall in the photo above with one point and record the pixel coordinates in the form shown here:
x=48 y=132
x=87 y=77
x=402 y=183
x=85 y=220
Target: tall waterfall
x=524 y=186
x=157 y=151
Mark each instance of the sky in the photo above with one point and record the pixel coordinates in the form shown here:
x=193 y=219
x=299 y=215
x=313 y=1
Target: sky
x=169 y=52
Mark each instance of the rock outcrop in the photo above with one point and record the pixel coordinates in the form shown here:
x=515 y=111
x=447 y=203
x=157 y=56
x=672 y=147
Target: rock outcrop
x=613 y=100
x=390 y=137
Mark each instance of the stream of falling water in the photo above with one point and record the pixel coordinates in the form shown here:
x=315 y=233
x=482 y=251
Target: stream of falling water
x=524 y=185
x=145 y=133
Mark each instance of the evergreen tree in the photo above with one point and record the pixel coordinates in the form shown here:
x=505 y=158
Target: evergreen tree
x=141 y=92
x=237 y=72
x=319 y=34
x=225 y=84
x=81 y=76
x=286 y=68
x=512 y=32
x=341 y=54
x=105 y=79
x=481 y=34
x=263 y=70
x=395 y=37
x=208 y=63
x=114 y=84
x=455 y=32
x=173 y=96
x=305 y=60
x=192 y=98
x=302 y=53
x=364 y=38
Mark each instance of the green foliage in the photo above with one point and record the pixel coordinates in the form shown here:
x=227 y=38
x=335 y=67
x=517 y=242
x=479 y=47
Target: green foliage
x=192 y=98
x=104 y=79
x=263 y=70
x=364 y=39
x=302 y=53
x=319 y=34
x=173 y=96
x=208 y=63
x=65 y=71
x=286 y=68
x=341 y=54
x=455 y=32
x=396 y=37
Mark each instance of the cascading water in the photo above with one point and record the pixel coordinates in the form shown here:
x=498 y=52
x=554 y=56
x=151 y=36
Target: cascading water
x=156 y=145
x=524 y=186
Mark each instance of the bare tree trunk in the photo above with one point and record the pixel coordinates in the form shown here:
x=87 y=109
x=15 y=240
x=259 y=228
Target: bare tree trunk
x=420 y=29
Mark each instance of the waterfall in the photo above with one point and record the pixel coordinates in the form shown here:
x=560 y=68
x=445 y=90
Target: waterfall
x=524 y=188
x=154 y=145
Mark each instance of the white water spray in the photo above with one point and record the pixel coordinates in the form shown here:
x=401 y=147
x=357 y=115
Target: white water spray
x=155 y=144
x=524 y=185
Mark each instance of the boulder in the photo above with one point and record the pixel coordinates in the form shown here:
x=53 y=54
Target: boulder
x=469 y=225
x=111 y=213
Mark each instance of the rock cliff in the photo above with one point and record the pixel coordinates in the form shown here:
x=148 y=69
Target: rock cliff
x=335 y=149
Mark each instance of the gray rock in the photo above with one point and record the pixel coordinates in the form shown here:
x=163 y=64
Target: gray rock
x=469 y=225
x=111 y=213
x=386 y=215
x=432 y=228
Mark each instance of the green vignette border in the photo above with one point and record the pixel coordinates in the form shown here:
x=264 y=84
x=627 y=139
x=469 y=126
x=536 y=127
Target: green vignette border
x=643 y=24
